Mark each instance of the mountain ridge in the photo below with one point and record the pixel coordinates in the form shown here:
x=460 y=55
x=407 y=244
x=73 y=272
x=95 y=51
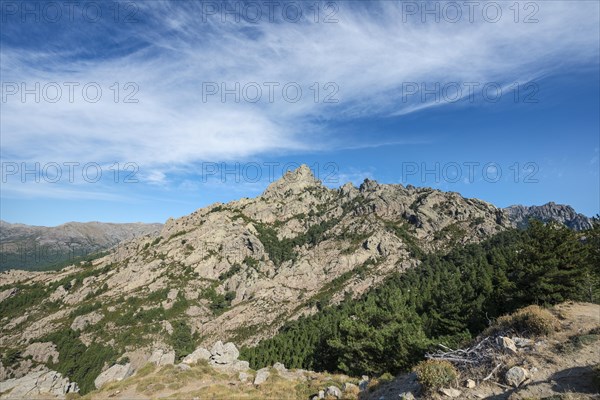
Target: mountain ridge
x=238 y=271
x=37 y=247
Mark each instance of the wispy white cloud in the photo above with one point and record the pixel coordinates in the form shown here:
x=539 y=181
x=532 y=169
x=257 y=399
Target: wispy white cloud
x=368 y=54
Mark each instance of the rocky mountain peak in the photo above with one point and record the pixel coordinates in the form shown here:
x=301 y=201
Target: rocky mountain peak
x=368 y=185
x=293 y=182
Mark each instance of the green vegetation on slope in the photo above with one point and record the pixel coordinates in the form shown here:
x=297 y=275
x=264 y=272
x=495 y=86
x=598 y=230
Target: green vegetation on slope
x=283 y=250
x=447 y=299
x=80 y=363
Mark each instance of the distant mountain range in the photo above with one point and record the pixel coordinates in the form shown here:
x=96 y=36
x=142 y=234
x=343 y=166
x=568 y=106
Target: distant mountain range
x=40 y=247
x=564 y=214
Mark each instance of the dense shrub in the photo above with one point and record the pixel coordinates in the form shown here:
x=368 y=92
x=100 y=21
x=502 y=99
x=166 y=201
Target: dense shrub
x=219 y=303
x=80 y=363
x=86 y=309
x=27 y=297
x=182 y=340
x=11 y=357
x=529 y=321
x=435 y=374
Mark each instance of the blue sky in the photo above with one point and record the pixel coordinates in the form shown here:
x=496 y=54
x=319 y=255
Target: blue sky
x=435 y=99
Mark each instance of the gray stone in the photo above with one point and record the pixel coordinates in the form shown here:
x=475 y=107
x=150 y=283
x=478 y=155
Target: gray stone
x=83 y=321
x=236 y=366
x=243 y=376
x=183 y=367
x=199 y=354
x=217 y=349
x=167 y=327
x=407 y=396
x=522 y=342
x=115 y=373
x=507 y=344
x=40 y=383
x=261 y=376
x=470 y=383
x=224 y=353
x=279 y=367
x=333 y=391
x=321 y=394
x=363 y=383
x=450 y=392
x=516 y=375
x=162 y=357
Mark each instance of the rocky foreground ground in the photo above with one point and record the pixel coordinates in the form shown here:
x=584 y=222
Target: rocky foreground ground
x=561 y=365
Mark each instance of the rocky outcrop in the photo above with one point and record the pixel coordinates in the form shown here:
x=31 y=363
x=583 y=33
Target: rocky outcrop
x=199 y=354
x=39 y=383
x=162 y=357
x=224 y=353
x=519 y=215
x=42 y=352
x=333 y=391
x=113 y=374
x=83 y=321
x=5 y=294
x=261 y=376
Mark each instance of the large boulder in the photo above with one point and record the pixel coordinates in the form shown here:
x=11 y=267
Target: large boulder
x=261 y=376
x=39 y=383
x=287 y=374
x=224 y=353
x=115 y=373
x=236 y=366
x=199 y=354
x=516 y=375
x=162 y=357
x=83 y=321
x=333 y=391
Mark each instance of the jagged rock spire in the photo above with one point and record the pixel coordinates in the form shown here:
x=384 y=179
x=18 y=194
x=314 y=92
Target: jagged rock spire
x=293 y=182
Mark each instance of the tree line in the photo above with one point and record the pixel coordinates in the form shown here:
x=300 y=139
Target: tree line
x=449 y=298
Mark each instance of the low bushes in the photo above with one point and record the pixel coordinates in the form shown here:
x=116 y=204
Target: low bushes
x=529 y=321
x=436 y=374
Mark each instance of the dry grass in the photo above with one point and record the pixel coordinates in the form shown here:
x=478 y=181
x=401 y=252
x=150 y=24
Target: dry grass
x=528 y=322
x=351 y=393
x=205 y=382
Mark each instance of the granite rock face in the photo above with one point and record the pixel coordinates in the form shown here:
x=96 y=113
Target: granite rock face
x=38 y=383
x=162 y=357
x=115 y=373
